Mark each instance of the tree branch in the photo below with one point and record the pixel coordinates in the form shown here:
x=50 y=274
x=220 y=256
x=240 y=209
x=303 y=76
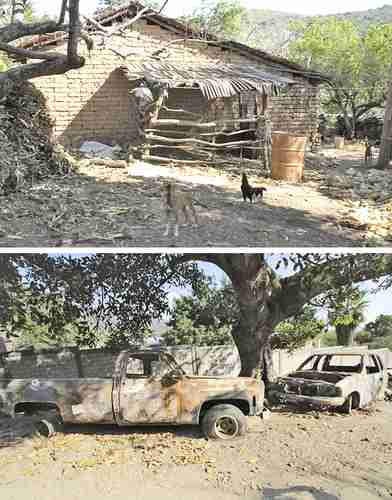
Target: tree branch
x=163 y=6
x=56 y=66
x=126 y=25
x=28 y=54
x=96 y=24
x=62 y=11
x=299 y=289
x=18 y=30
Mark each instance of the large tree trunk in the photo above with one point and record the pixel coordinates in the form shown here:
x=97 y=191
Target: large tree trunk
x=251 y=336
x=345 y=335
x=385 y=157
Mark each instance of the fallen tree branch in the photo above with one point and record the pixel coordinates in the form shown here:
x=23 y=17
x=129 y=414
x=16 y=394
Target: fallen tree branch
x=45 y=68
x=51 y=63
x=28 y=54
x=18 y=30
x=97 y=25
x=126 y=25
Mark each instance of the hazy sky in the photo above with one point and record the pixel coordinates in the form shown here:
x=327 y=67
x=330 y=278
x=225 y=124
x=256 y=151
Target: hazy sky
x=179 y=7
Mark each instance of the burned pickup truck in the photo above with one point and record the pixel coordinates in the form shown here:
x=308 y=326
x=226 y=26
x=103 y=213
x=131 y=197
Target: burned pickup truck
x=147 y=388
x=342 y=379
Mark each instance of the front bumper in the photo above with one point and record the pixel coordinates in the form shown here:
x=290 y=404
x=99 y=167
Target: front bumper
x=316 y=401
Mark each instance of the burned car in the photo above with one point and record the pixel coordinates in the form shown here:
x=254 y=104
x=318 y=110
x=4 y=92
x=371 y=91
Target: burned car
x=146 y=388
x=340 y=379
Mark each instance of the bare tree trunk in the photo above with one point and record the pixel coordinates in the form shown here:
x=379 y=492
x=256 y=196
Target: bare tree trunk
x=385 y=157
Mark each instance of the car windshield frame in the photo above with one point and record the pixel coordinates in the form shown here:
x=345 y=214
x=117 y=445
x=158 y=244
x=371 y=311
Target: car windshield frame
x=323 y=360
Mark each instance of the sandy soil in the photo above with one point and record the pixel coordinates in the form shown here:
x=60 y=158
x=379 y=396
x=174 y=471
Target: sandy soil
x=113 y=207
x=303 y=456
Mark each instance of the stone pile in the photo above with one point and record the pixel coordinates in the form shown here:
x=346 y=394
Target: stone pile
x=319 y=160
x=361 y=185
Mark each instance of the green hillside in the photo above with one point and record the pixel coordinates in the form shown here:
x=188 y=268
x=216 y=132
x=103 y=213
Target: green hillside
x=269 y=30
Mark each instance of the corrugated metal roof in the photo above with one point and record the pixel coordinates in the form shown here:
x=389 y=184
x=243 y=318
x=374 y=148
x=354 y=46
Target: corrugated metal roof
x=213 y=80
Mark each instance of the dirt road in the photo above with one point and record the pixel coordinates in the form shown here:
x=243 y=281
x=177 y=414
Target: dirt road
x=119 y=207
x=308 y=456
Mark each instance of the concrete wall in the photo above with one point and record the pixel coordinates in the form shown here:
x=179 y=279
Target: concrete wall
x=70 y=362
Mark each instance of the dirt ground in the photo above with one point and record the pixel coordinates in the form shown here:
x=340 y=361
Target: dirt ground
x=291 y=456
x=103 y=206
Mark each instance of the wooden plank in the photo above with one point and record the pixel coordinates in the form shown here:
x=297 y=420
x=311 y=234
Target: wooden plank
x=183 y=111
x=231 y=161
x=182 y=133
x=187 y=123
x=227 y=134
x=191 y=140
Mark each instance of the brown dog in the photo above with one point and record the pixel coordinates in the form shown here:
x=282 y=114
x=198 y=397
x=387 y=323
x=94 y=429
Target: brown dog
x=175 y=202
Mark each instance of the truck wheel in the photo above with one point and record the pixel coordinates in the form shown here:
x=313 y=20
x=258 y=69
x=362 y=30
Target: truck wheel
x=49 y=425
x=223 y=422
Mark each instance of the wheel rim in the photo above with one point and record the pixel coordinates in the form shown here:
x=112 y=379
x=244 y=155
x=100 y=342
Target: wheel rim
x=226 y=427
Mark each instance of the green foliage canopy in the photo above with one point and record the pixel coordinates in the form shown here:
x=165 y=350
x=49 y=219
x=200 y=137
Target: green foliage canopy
x=116 y=294
x=205 y=318
x=358 y=64
x=219 y=17
x=295 y=332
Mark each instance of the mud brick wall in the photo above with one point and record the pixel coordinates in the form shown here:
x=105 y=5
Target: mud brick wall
x=93 y=102
x=296 y=111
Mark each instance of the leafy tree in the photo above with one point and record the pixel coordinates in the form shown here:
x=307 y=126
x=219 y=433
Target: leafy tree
x=363 y=337
x=44 y=322
x=377 y=333
x=219 y=17
x=266 y=299
x=114 y=293
x=205 y=318
x=295 y=332
x=380 y=327
x=329 y=339
x=346 y=306
x=358 y=64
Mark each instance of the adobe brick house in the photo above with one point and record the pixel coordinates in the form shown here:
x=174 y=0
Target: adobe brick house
x=216 y=80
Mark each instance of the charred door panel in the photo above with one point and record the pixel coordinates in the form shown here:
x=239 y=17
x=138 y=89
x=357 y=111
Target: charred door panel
x=147 y=400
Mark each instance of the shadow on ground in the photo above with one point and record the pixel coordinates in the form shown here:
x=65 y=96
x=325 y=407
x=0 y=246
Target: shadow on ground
x=192 y=432
x=106 y=207
x=297 y=493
